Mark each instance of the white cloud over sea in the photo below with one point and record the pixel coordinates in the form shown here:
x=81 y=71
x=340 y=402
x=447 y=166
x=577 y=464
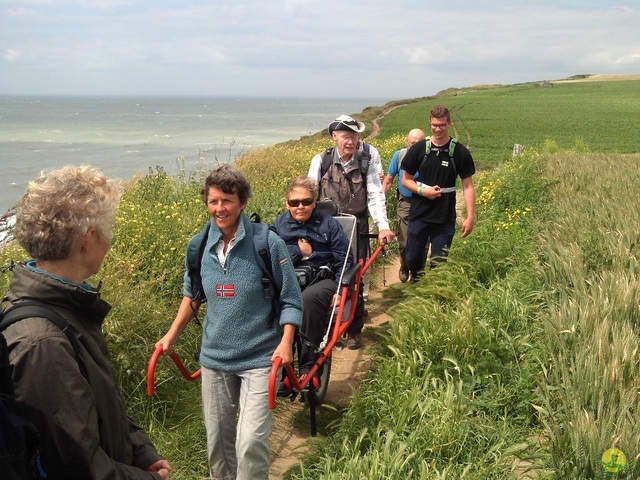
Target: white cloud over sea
x=384 y=49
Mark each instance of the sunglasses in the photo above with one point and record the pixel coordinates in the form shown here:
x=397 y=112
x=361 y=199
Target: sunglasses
x=296 y=203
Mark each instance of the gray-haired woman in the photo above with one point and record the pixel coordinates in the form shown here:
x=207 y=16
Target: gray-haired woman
x=64 y=221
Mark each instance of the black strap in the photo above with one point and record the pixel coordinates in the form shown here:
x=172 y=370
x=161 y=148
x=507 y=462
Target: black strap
x=268 y=272
x=33 y=308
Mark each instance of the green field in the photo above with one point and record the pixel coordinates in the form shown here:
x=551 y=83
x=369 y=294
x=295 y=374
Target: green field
x=598 y=117
x=518 y=359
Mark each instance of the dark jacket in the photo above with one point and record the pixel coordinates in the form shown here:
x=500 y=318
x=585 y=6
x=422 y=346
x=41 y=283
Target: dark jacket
x=84 y=428
x=328 y=241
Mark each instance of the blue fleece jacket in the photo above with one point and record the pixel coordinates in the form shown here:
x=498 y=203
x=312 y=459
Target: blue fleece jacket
x=235 y=335
x=328 y=241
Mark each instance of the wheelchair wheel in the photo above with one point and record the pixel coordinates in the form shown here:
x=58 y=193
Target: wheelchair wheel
x=321 y=392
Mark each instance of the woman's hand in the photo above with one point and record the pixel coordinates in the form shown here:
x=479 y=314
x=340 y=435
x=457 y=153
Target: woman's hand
x=335 y=301
x=284 y=350
x=167 y=342
x=161 y=467
x=305 y=247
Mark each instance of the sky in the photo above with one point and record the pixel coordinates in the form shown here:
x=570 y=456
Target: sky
x=391 y=49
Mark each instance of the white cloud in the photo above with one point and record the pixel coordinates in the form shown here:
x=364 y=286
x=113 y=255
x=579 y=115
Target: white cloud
x=629 y=59
x=10 y=55
x=378 y=48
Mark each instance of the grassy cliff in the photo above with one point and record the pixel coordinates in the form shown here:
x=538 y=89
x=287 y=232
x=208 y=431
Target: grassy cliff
x=517 y=359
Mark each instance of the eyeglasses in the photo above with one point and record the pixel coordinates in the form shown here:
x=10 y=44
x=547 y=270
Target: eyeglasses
x=296 y=203
x=348 y=137
x=439 y=126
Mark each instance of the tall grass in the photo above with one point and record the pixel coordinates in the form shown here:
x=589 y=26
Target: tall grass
x=452 y=388
x=588 y=396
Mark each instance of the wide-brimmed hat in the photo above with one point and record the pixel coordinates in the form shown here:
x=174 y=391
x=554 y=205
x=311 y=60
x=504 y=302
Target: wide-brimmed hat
x=345 y=122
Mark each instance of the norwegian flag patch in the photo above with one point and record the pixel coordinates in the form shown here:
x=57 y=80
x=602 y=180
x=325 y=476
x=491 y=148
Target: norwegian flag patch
x=225 y=291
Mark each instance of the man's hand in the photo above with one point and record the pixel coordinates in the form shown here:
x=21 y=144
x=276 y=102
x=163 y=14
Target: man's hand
x=385 y=235
x=467 y=226
x=432 y=192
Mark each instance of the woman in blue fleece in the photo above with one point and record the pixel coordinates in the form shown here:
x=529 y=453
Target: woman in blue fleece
x=237 y=347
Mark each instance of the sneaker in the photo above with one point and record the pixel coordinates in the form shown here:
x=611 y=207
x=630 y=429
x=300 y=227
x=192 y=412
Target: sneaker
x=403 y=274
x=354 y=341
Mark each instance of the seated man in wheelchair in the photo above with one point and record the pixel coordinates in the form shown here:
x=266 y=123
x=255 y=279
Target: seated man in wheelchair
x=318 y=248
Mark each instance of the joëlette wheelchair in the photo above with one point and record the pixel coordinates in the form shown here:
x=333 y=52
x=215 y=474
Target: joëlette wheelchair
x=341 y=317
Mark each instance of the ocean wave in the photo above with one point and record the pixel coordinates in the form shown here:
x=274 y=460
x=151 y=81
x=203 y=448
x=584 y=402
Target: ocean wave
x=7 y=222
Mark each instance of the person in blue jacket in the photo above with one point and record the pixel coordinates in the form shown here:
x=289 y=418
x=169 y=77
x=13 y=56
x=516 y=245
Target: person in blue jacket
x=404 y=198
x=237 y=345
x=317 y=240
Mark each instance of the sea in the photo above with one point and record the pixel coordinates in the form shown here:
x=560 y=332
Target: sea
x=125 y=136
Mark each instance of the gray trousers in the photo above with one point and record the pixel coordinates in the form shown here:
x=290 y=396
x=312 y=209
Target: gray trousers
x=237 y=452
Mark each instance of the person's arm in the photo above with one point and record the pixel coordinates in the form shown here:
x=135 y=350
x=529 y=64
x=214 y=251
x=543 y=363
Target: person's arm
x=145 y=454
x=187 y=310
x=315 y=168
x=386 y=183
x=376 y=161
x=410 y=164
x=376 y=203
x=68 y=417
x=430 y=192
x=469 y=193
x=284 y=350
x=391 y=173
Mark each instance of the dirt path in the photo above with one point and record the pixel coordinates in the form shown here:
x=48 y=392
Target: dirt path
x=375 y=130
x=288 y=441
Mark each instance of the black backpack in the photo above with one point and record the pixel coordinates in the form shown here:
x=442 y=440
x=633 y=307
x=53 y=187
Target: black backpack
x=19 y=450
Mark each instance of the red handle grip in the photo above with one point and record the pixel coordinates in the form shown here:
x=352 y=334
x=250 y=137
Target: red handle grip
x=151 y=370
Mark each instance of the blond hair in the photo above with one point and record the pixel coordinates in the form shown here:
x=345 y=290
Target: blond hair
x=304 y=182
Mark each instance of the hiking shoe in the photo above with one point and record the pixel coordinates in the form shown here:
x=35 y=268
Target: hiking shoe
x=354 y=341
x=403 y=274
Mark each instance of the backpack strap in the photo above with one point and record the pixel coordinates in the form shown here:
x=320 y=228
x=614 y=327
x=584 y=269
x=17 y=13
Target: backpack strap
x=195 y=250
x=33 y=308
x=327 y=157
x=365 y=161
x=401 y=155
x=452 y=146
x=269 y=284
x=452 y=149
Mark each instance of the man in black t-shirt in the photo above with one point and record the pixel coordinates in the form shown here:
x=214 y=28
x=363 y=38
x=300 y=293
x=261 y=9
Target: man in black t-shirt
x=438 y=161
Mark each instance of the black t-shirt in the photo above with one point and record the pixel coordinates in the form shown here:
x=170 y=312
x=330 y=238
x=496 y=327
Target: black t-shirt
x=437 y=168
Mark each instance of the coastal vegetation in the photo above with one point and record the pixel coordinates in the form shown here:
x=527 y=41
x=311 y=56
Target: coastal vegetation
x=517 y=359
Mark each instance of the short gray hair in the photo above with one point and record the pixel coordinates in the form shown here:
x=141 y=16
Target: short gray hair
x=60 y=206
